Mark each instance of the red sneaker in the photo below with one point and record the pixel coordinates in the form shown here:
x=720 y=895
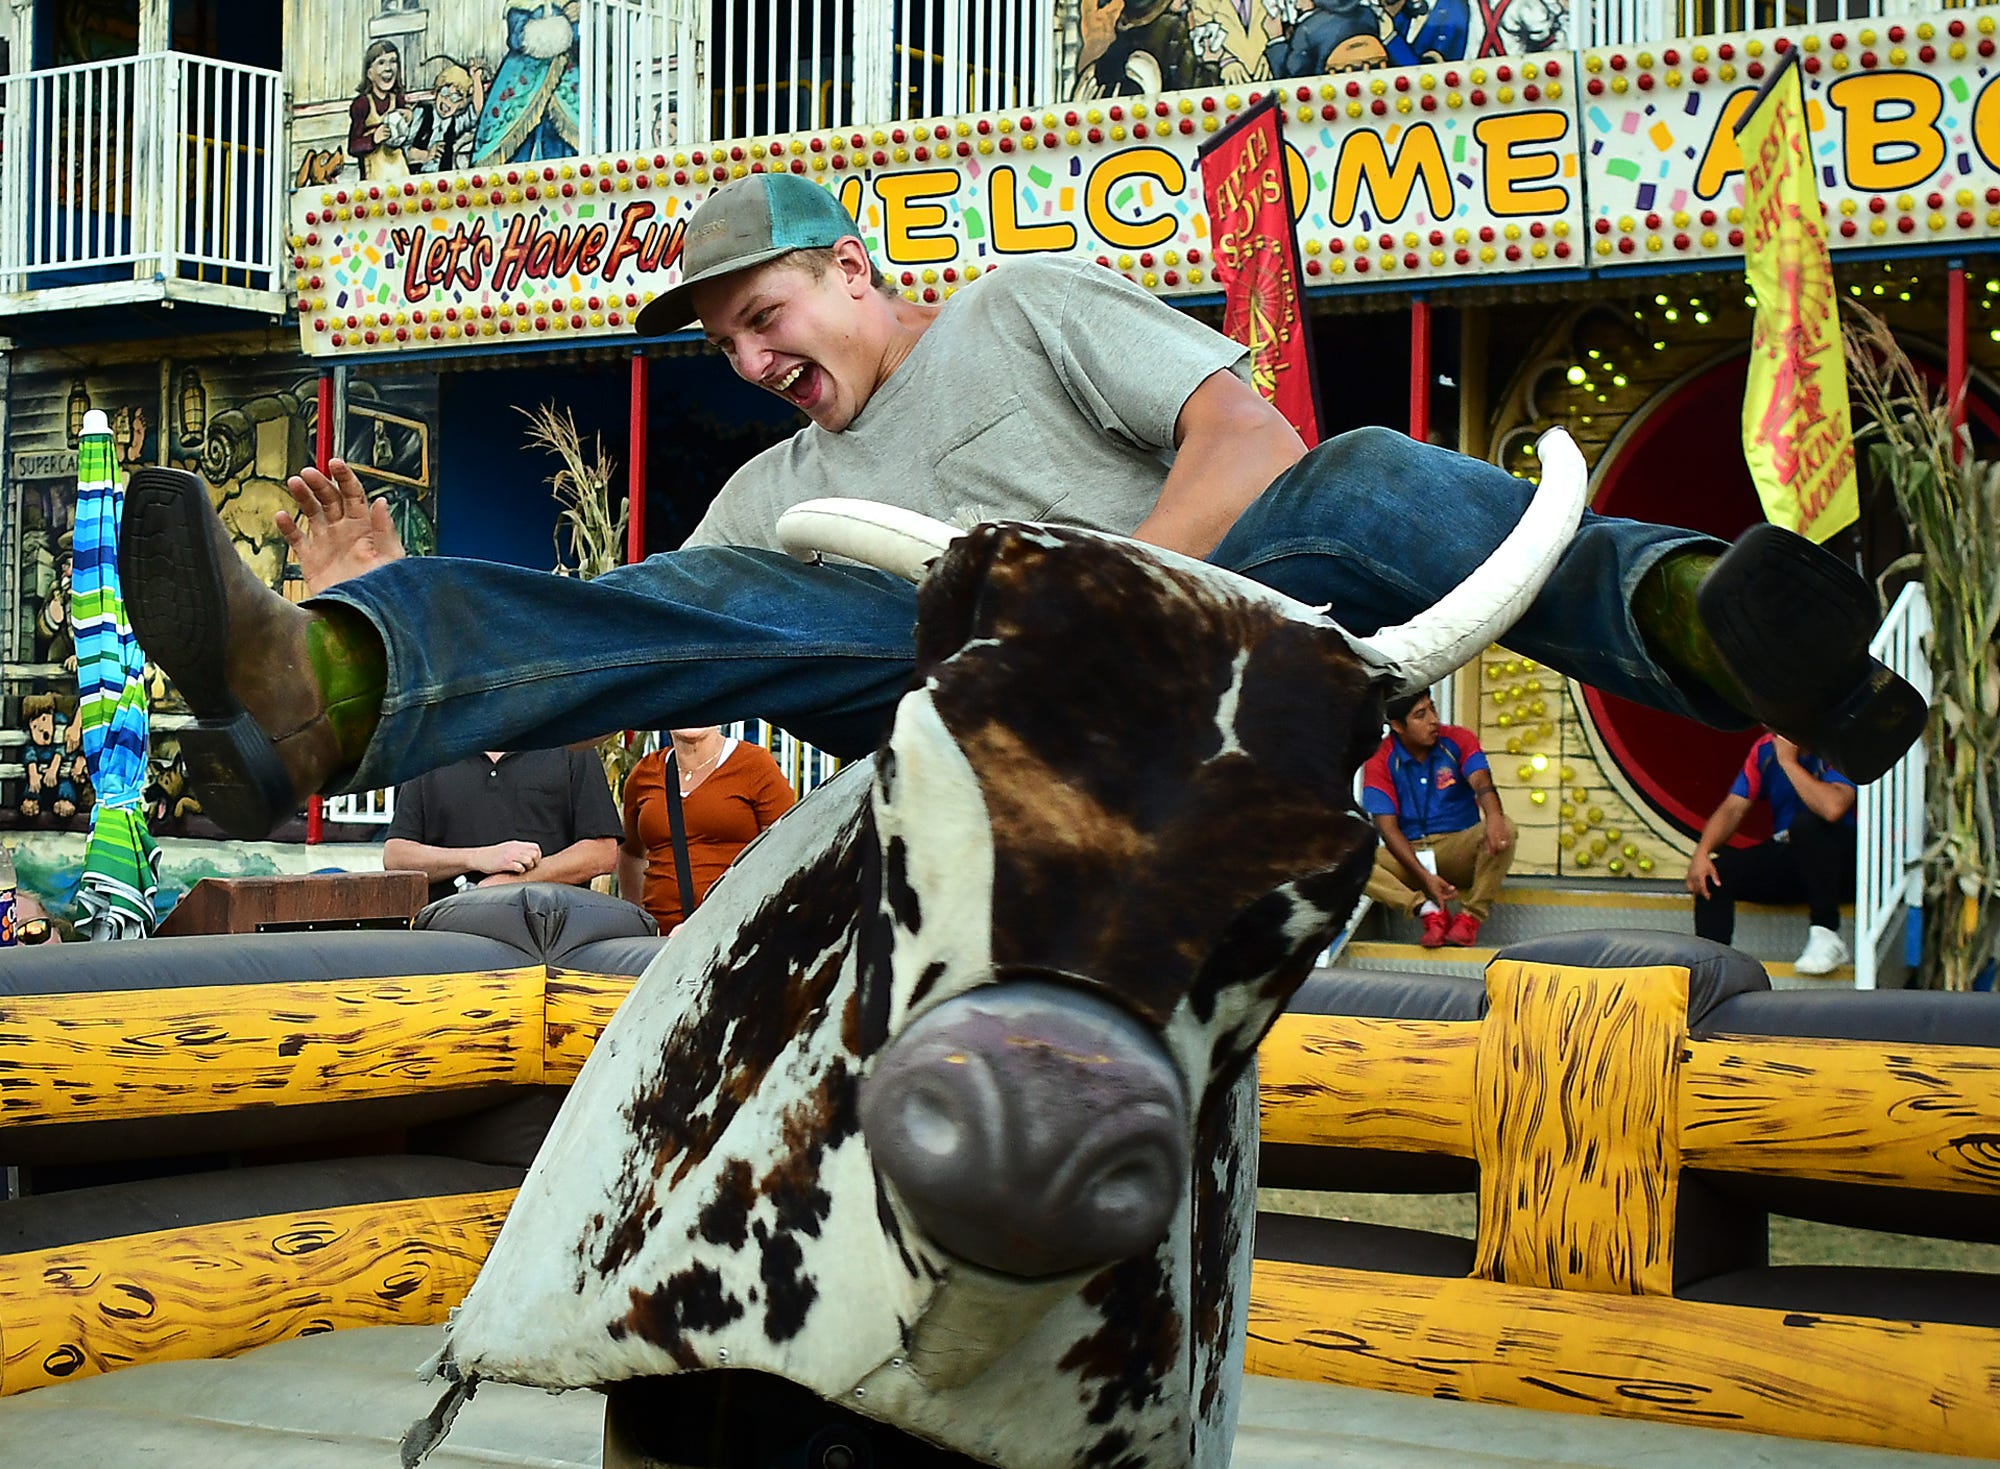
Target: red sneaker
x=1437 y=924
x=1463 y=931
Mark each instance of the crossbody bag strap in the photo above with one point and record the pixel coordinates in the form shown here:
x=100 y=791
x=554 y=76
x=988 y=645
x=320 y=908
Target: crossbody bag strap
x=679 y=826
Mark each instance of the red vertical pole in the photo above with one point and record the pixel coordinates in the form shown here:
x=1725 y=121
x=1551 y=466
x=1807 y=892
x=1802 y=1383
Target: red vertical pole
x=323 y=434
x=635 y=469
x=1954 y=347
x=1420 y=369
x=322 y=456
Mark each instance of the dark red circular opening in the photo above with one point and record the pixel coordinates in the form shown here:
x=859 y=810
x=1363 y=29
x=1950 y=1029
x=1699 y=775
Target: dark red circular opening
x=1683 y=465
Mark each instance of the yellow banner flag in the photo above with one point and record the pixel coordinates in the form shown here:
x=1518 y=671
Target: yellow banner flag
x=1797 y=435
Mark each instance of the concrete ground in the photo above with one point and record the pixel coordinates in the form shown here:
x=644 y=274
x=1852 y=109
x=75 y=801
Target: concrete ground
x=342 y=1401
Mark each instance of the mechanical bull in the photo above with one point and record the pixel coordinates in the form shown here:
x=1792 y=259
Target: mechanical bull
x=930 y=1138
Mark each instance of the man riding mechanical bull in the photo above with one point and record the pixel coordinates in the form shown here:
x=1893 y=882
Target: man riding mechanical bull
x=944 y=1120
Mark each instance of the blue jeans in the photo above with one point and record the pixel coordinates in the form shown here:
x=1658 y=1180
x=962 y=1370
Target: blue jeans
x=483 y=656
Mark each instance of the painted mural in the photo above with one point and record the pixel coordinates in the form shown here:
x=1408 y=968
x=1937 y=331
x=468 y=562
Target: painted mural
x=404 y=90
x=49 y=864
x=244 y=423
x=1140 y=47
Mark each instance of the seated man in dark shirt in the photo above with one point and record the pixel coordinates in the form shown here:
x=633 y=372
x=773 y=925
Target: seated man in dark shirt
x=1809 y=859
x=517 y=816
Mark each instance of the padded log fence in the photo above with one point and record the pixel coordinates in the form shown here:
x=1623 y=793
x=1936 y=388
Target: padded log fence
x=1628 y=1109
x=413 y=1069
x=1634 y=1105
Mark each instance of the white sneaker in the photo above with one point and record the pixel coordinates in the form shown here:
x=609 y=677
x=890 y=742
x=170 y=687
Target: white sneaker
x=1824 y=952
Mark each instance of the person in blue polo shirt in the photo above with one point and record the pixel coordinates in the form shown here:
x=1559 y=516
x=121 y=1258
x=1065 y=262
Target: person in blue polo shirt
x=1810 y=860
x=1431 y=794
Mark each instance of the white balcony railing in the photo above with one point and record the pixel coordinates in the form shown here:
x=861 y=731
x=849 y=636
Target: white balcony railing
x=1890 y=812
x=160 y=168
x=660 y=73
x=1654 y=22
x=685 y=71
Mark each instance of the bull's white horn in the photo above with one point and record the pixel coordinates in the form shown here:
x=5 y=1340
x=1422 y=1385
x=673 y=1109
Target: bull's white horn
x=886 y=537
x=1481 y=608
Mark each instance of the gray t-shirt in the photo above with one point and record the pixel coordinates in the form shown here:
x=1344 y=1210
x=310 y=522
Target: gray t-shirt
x=1046 y=390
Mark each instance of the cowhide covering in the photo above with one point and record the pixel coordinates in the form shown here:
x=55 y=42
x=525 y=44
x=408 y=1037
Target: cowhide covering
x=1123 y=772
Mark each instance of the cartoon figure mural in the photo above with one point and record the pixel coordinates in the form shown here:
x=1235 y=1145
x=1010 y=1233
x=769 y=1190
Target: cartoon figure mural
x=132 y=436
x=531 y=109
x=261 y=427
x=1152 y=50
x=168 y=801
x=1225 y=40
x=446 y=125
x=73 y=792
x=1426 y=30
x=1159 y=45
x=42 y=754
x=379 y=118
x=1515 y=27
x=55 y=639
x=1310 y=37
x=318 y=166
x=57 y=780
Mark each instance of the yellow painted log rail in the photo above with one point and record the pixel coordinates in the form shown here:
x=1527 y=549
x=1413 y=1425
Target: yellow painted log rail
x=168 y=1052
x=217 y=1289
x=1582 y=1098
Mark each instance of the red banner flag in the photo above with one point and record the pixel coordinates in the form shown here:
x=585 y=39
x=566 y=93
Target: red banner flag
x=1245 y=184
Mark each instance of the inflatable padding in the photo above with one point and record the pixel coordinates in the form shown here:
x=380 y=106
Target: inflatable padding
x=1886 y=1017
x=545 y=920
x=1716 y=972
x=212 y=1265
x=1337 y=1170
x=1960 y=1297
x=220 y=961
x=1389 y=996
x=189 y=1201
x=1357 y=1246
x=51 y=1150
x=1633 y=1106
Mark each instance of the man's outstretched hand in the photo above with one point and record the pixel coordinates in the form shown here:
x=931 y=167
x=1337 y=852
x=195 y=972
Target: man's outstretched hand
x=337 y=534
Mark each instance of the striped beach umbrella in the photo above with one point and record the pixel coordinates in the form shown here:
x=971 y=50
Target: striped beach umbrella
x=121 y=864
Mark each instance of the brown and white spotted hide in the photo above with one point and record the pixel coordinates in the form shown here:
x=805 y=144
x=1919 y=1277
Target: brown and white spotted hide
x=1125 y=773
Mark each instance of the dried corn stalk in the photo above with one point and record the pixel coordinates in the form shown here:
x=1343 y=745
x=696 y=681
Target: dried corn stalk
x=1952 y=504
x=590 y=533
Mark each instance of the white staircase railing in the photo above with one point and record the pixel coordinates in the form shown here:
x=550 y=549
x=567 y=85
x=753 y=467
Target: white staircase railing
x=1890 y=812
x=146 y=167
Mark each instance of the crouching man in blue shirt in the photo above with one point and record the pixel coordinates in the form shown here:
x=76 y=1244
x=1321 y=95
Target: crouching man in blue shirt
x=1430 y=792
x=1810 y=860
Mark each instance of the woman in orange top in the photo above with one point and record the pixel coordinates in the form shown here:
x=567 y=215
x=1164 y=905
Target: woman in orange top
x=730 y=791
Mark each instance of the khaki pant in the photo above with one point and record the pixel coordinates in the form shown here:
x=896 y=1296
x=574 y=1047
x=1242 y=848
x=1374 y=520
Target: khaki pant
x=1462 y=861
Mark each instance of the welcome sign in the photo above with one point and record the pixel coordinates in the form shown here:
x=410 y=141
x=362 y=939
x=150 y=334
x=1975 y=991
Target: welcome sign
x=1559 y=162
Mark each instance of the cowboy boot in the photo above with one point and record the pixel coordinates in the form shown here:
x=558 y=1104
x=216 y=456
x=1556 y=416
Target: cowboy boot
x=285 y=697
x=1780 y=628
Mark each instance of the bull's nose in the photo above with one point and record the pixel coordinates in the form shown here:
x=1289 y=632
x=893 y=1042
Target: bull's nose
x=1031 y=1128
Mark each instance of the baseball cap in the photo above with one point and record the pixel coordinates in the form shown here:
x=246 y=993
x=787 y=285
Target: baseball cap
x=744 y=223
